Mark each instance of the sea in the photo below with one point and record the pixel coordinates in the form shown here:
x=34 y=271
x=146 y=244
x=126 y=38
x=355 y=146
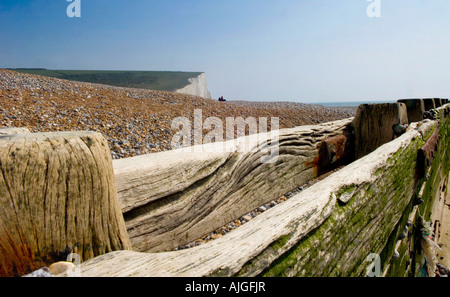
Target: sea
x=349 y=103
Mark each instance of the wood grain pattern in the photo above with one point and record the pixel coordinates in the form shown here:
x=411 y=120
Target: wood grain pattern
x=374 y=123
x=255 y=246
x=13 y=131
x=57 y=194
x=175 y=197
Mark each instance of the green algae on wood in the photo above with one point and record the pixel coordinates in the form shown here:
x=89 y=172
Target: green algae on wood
x=339 y=247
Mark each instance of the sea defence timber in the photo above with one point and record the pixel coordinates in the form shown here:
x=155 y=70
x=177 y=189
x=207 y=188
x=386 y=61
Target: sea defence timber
x=393 y=174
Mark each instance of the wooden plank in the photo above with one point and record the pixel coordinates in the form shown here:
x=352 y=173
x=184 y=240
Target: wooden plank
x=253 y=247
x=175 y=197
x=12 y=131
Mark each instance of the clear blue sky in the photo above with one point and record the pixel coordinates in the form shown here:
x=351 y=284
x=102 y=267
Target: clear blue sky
x=296 y=50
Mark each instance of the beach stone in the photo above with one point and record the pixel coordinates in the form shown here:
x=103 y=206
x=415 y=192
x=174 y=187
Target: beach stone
x=60 y=267
x=42 y=272
x=216 y=236
x=247 y=218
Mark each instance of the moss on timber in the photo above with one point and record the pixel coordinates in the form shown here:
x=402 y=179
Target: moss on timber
x=341 y=244
x=410 y=261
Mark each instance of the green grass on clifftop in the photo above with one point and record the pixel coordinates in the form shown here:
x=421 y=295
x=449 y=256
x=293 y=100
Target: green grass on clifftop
x=152 y=80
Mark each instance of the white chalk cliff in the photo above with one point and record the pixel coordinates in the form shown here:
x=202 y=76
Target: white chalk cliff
x=197 y=87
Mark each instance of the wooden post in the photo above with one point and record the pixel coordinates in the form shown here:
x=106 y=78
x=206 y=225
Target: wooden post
x=415 y=109
x=374 y=125
x=327 y=230
x=57 y=195
x=429 y=104
x=437 y=102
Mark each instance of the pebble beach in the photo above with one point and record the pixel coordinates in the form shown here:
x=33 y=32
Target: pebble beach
x=133 y=121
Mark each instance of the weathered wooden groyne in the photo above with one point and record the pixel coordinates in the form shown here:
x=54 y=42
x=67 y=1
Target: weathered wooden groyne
x=62 y=193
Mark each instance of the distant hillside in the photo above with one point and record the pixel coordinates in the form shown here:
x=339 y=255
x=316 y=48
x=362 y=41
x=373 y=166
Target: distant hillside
x=151 y=80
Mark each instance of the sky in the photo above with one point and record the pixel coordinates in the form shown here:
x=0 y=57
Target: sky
x=311 y=51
